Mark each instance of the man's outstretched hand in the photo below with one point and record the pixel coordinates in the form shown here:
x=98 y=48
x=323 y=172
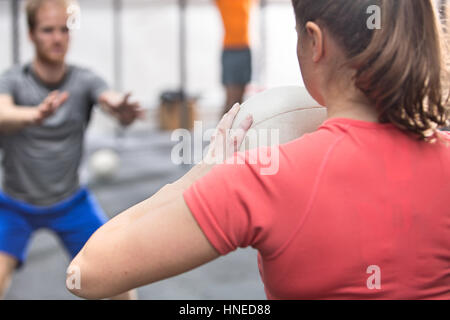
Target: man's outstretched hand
x=48 y=107
x=121 y=107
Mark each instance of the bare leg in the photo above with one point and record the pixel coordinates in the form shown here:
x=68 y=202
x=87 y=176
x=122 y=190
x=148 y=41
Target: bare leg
x=7 y=267
x=235 y=93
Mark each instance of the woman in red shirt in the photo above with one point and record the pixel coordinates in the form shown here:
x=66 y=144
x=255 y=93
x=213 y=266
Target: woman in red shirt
x=357 y=210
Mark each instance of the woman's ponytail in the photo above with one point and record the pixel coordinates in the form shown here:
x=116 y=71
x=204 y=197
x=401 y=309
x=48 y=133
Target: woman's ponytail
x=401 y=67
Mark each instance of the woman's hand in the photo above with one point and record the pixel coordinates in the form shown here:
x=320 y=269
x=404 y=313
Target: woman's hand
x=226 y=141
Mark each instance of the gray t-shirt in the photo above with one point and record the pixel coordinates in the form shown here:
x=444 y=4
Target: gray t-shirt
x=40 y=163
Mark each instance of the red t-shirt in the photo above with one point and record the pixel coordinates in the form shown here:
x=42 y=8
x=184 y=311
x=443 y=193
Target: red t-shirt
x=356 y=210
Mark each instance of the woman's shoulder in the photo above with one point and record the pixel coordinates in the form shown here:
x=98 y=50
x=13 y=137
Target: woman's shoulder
x=443 y=137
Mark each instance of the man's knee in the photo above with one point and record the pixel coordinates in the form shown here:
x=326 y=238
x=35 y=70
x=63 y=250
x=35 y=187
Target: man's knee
x=7 y=267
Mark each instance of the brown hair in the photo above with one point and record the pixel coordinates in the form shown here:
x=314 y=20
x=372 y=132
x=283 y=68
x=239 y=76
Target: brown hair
x=33 y=6
x=401 y=67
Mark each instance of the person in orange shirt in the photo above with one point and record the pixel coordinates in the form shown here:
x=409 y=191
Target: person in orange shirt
x=236 y=54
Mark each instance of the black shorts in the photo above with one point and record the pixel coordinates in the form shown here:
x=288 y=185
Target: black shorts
x=236 y=66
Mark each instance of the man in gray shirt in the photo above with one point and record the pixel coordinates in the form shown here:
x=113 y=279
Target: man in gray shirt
x=45 y=107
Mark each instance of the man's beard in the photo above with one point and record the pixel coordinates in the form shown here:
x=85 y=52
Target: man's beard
x=47 y=59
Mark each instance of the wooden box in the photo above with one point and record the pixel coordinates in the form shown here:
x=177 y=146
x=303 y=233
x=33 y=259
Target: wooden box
x=170 y=113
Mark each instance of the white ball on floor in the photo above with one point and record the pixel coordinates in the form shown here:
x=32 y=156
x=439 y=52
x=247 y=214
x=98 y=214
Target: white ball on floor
x=104 y=163
x=280 y=115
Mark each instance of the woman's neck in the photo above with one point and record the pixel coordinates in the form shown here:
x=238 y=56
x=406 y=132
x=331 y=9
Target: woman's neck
x=346 y=101
x=347 y=109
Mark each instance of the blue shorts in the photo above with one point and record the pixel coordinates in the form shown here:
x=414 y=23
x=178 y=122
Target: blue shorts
x=236 y=67
x=73 y=220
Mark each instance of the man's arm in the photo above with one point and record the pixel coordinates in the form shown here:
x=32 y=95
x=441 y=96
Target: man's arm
x=14 y=118
x=120 y=107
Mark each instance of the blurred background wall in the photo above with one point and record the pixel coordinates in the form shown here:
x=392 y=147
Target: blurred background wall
x=146 y=61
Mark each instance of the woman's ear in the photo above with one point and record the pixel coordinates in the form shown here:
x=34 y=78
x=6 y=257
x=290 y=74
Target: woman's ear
x=316 y=40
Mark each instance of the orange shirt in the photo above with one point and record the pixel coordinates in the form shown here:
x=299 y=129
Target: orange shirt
x=235 y=17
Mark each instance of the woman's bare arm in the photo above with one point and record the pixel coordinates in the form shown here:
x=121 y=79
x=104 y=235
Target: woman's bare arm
x=155 y=239
x=158 y=244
